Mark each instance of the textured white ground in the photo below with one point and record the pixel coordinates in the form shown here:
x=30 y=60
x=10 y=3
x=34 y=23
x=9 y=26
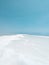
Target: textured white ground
x=24 y=50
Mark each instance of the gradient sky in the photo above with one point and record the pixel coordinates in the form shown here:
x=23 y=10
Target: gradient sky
x=24 y=16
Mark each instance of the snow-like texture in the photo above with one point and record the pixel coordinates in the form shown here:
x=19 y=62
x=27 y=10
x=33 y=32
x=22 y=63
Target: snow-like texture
x=24 y=50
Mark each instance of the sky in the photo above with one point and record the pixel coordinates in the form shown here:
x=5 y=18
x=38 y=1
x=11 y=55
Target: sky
x=24 y=16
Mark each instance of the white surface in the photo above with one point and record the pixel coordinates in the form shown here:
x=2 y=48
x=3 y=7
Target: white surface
x=24 y=50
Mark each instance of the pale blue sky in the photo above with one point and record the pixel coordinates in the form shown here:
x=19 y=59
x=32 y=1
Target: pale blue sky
x=24 y=16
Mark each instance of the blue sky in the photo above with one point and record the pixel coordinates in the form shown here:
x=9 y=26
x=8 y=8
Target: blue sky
x=24 y=16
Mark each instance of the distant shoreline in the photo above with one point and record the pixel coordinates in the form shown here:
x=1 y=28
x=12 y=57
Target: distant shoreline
x=35 y=35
